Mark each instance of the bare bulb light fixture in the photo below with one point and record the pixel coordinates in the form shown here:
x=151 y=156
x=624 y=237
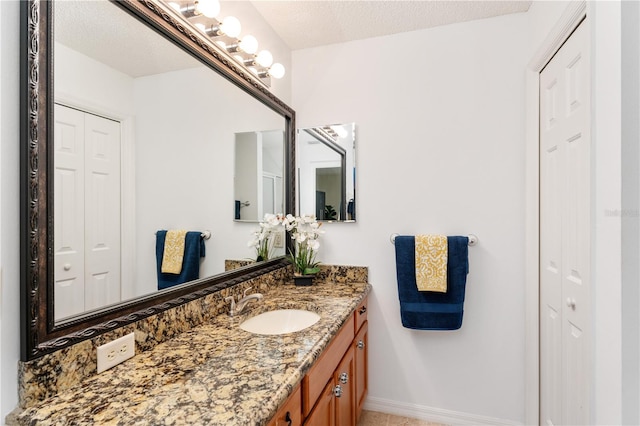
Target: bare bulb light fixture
x=225 y=33
x=208 y=8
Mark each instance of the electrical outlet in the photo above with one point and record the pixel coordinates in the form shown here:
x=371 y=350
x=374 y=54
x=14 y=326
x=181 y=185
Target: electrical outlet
x=116 y=351
x=278 y=239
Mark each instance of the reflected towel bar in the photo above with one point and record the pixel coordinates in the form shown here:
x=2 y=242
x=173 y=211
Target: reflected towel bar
x=205 y=234
x=473 y=240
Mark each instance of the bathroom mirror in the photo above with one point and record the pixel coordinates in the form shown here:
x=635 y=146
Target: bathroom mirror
x=258 y=179
x=178 y=103
x=327 y=172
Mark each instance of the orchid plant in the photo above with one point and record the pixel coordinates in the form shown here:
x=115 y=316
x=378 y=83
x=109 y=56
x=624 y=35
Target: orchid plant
x=305 y=231
x=263 y=240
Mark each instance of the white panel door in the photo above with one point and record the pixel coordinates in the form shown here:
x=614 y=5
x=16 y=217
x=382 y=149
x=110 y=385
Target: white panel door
x=68 y=211
x=87 y=211
x=102 y=211
x=565 y=234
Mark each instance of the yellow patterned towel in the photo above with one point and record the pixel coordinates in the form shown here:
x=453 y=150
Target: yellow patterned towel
x=431 y=263
x=173 y=251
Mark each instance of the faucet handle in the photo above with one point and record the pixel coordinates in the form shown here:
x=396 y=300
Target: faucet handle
x=244 y=294
x=232 y=300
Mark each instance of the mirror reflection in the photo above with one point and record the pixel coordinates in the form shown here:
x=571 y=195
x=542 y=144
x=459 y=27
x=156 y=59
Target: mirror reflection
x=144 y=143
x=259 y=171
x=327 y=172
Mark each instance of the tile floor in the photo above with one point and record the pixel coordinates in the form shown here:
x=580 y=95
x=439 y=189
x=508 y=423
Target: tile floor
x=373 y=418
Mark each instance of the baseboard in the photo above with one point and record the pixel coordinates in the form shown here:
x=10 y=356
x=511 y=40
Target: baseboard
x=431 y=414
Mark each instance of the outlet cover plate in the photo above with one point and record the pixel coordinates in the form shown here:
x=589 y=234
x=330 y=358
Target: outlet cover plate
x=116 y=351
x=278 y=239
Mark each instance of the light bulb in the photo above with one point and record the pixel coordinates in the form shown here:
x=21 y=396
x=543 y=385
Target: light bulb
x=222 y=44
x=209 y=8
x=201 y=27
x=231 y=26
x=276 y=70
x=264 y=58
x=249 y=44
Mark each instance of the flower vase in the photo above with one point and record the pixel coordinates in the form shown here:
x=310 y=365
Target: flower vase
x=303 y=280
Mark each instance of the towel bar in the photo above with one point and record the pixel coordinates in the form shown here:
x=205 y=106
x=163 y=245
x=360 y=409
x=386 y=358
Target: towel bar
x=473 y=240
x=205 y=234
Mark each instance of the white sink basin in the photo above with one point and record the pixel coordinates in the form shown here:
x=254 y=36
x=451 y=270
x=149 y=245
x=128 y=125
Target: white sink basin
x=281 y=321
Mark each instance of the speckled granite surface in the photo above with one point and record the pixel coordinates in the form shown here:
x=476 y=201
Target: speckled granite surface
x=213 y=373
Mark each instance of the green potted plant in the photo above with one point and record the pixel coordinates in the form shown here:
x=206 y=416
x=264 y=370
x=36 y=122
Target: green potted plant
x=305 y=232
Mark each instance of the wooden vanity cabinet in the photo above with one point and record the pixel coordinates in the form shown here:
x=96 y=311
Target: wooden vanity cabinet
x=361 y=358
x=324 y=412
x=290 y=414
x=360 y=348
x=334 y=389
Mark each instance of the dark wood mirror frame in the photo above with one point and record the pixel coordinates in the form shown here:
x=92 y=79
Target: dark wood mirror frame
x=39 y=333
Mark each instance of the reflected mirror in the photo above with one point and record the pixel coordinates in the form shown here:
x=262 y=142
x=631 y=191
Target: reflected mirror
x=259 y=170
x=132 y=126
x=327 y=172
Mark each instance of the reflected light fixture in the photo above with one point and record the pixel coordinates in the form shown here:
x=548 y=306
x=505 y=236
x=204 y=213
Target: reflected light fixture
x=226 y=34
x=264 y=58
x=208 y=8
x=230 y=27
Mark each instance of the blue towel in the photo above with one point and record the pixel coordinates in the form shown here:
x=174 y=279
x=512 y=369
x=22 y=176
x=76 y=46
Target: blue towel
x=422 y=310
x=193 y=251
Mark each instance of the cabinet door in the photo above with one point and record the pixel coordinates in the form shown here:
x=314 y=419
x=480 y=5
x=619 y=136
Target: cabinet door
x=291 y=412
x=360 y=348
x=323 y=413
x=345 y=390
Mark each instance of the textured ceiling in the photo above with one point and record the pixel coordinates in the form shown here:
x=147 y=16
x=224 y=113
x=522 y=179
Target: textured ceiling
x=302 y=24
x=109 y=35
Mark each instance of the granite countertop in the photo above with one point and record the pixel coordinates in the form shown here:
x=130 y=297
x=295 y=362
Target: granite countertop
x=213 y=374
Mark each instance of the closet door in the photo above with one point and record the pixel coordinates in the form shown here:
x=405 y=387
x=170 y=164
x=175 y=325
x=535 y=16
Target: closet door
x=87 y=197
x=102 y=211
x=68 y=211
x=565 y=367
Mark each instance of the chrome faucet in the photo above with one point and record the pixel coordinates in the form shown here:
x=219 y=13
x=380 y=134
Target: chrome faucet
x=237 y=308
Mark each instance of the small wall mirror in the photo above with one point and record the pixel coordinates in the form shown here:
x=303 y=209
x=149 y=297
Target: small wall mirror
x=327 y=172
x=259 y=170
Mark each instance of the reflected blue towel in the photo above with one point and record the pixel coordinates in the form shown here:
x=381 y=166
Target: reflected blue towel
x=193 y=251
x=422 y=310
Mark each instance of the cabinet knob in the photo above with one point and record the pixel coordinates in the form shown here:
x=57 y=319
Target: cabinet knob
x=337 y=391
x=344 y=378
x=287 y=419
x=360 y=344
x=362 y=310
x=67 y=266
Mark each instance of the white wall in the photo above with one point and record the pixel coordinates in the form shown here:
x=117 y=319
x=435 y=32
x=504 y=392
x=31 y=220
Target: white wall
x=630 y=216
x=607 y=193
x=10 y=205
x=440 y=116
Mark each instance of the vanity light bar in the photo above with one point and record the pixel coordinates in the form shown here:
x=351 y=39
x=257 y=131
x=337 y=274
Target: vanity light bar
x=243 y=49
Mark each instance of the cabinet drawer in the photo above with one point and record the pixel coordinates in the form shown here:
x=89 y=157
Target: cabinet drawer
x=322 y=371
x=361 y=314
x=290 y=414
